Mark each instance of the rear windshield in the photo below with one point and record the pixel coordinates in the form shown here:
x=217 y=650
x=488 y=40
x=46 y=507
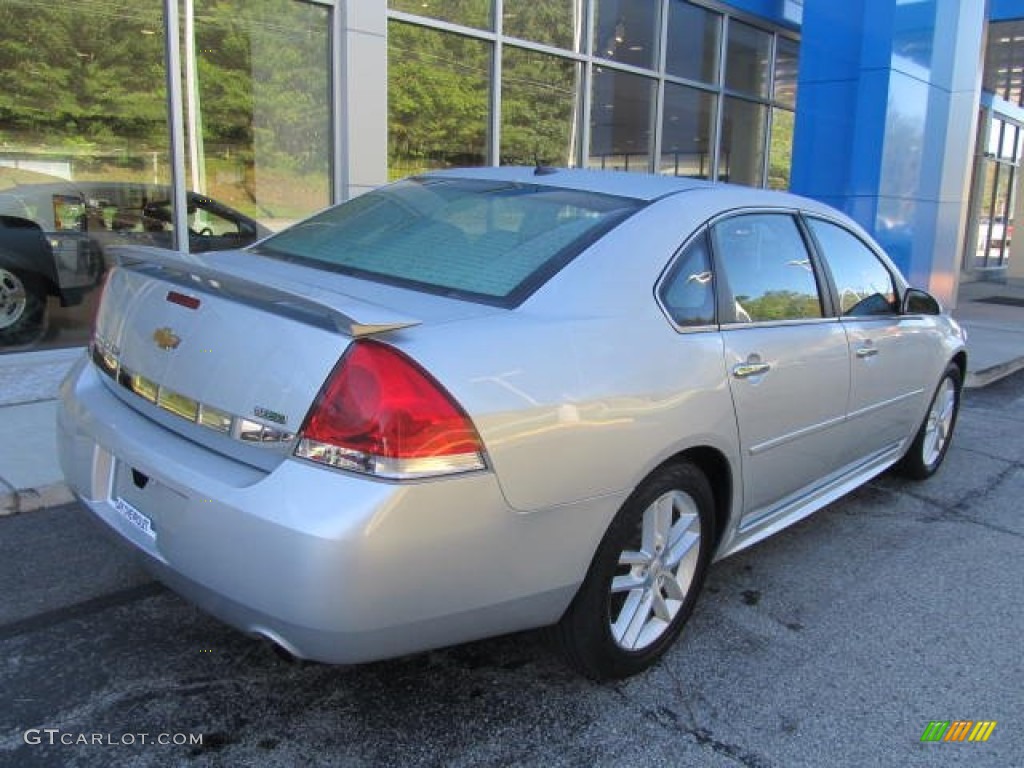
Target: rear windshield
x=487 y=241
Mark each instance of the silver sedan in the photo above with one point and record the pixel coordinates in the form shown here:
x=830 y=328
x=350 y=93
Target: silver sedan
x=480 y=401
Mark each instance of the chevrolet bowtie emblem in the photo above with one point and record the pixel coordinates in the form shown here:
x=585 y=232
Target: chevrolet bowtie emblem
x=165 y=338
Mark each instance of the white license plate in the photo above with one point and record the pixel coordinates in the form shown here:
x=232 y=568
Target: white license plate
x=133 y=516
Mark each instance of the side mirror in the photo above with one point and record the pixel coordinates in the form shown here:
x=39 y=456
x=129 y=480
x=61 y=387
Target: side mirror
x=918 y=302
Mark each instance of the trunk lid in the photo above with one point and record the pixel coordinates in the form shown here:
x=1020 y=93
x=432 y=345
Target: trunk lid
x=230 y=354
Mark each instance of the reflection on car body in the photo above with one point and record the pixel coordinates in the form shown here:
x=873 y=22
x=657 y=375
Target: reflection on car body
x=54 y=239
x=481 y=401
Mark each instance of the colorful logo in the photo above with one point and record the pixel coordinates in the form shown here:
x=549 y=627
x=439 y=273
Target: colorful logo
x=166 y=339
x=958 y=730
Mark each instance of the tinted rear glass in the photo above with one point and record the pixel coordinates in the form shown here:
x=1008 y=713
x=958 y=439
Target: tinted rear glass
x=494 y=242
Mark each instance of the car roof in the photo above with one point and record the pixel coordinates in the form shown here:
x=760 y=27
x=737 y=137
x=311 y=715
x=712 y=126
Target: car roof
x=647 y=187
x=641 y=186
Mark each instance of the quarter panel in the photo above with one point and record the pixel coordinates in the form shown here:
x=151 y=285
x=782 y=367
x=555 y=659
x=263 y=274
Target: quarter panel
x=575 y=408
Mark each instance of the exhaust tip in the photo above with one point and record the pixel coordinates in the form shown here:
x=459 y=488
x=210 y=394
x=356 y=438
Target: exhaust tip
x=278 y=647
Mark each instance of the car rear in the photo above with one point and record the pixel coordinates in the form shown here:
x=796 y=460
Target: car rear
x=253 y=424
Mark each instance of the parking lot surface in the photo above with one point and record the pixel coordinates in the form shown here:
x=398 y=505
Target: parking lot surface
x=834 y=643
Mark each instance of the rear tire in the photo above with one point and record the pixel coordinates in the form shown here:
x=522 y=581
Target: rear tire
x=645 y=577
x=931 y=443
x=23 y=315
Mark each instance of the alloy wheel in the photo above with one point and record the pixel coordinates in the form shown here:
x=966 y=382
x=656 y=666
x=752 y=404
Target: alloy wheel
x=653 y=580
x=13 y=298
x=939 y=423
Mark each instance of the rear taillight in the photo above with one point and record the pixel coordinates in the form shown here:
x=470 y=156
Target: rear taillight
x=381 y=414
x=101 y=350
x=97 y=296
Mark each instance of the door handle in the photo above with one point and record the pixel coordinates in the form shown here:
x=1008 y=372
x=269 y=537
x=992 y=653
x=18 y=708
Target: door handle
x=748 y=369
x=863 y=352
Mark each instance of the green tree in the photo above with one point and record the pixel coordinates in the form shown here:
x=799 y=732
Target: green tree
x=89 y=72
x=438 y=97
x=780 y=305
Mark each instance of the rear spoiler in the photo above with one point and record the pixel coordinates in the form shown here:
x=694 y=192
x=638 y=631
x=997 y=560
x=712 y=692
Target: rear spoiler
x=352 y=317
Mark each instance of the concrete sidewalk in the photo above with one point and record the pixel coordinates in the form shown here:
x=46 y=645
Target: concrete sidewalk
x=29 y=476
x=995 y=331
x=31 y=479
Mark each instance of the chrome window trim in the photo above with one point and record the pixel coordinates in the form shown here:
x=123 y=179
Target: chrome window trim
x=829 y=315
x=871 y=318
x=779 y=323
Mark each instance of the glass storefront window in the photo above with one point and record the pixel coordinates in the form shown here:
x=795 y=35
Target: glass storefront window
x=741 y=150
x=438 y=99
x=539 y=109
x=995 y=223
x=553 y=22
x=780 y=152
x=257 y=119
x=1003 y=73
x=442 y=107
x=693 y=42
x=787 y=63
x=748 y=60
x=1002 y=141
x=625 y=31
x=621 y=121
x=686 y=134
x=993 y=201
x=84 y=148
x=85 y=163
x=469 y=13
x=998 y=232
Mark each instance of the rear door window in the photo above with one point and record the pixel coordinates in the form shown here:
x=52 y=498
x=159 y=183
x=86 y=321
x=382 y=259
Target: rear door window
x=766 y=269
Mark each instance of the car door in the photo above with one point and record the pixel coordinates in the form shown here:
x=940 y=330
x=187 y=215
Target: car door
x=888 y=351
x=787 y=360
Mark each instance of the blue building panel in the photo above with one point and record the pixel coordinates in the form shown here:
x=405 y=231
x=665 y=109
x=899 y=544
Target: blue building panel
x=820 y=143
x=885 y=122
x=783 y=12
x=1005 y=10
x=837 y=53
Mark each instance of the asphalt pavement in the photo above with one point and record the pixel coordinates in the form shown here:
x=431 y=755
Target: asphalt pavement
x=834 y=643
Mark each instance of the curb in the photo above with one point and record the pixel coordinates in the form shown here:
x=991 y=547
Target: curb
x=993 y=373
x=31 y=499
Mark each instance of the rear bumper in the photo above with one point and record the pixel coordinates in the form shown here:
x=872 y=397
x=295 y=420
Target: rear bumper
x=332 y=566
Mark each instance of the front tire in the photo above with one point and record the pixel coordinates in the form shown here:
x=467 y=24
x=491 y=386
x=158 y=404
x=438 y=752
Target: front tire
x=931 y=443
x=645 y=577
x=23 y=315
